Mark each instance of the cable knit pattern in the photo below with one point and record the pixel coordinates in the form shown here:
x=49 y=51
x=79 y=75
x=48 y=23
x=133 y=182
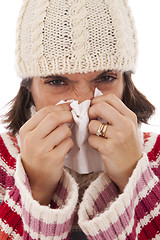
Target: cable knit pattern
x=79 y=32
x=104 y=213
x=75 y=36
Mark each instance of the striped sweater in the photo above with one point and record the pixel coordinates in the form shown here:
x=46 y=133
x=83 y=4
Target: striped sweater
x=103 y=213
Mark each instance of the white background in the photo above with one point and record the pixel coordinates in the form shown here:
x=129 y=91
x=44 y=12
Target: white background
x=147 y=77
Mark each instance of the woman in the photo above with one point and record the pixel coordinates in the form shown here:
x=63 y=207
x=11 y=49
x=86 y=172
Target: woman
x=66 y=51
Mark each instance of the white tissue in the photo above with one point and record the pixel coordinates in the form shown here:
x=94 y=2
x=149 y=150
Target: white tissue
x=82 y=158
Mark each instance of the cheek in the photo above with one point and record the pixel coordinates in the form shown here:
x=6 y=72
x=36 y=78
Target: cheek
x=43 y=99
x=117 y=89
x=46 y=100
x=44 y=96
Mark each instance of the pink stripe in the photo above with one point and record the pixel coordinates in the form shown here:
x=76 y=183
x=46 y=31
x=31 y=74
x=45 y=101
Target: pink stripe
x=61 y=192
x=15 y=195
x=143 y=208
x=6 y=180
x=26 y=236
x=123 y=221
x=45 y=229
x=106 y=196
x=39 y=226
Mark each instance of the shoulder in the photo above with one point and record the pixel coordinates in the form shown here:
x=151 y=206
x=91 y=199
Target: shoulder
x=9 y=149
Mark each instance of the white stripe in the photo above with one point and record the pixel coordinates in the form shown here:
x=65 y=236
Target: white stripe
x=9 y=231
x=155 y=164
x=6 y=168
x=154 y=213
x=45 y=213
x=142 y=222
x=157 y=237
x=33 y=234
x=16 y=236
x=12 y=204
x=150 y=143
x=142 y=194
x=93 y=191
x=118 y=207
x=59 y=202
x=9 y=144
x=129 y=228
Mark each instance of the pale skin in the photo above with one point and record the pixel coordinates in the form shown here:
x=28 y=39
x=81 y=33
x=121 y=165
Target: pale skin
x=45 y=138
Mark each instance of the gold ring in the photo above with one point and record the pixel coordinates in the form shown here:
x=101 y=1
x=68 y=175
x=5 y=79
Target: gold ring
x=102 y=130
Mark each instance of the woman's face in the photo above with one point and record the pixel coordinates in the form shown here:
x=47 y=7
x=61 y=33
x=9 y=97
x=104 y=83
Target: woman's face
x=50 y=90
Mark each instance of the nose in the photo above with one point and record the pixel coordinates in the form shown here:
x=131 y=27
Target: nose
x=83 y=94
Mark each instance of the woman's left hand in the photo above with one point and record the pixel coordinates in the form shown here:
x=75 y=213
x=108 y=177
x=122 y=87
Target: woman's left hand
x=121 y=149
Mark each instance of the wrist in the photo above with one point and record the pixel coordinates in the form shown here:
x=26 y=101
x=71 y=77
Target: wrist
x=42 y=198
x=43 y=195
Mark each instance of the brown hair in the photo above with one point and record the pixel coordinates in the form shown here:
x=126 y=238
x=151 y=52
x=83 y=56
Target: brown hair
x=19 y=111
x=20 y=106
x=136 y=101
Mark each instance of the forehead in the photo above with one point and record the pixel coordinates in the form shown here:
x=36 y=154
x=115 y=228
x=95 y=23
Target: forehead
x=90 y=75
x=86 y=76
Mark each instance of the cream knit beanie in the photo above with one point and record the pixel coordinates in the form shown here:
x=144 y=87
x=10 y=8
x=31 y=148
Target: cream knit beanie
x=75 y=36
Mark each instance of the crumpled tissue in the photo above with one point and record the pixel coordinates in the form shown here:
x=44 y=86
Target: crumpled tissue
x=82 y=158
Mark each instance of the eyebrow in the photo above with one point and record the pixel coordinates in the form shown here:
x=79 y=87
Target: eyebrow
x=58 y=77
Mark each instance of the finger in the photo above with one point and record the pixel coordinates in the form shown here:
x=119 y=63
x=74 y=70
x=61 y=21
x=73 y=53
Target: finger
x=62 y=149
x=94 y=126
x=56 y=137
x=51 y=122
x=116 y=103
x=33 y=122
x=106 y=112
x=98 y=143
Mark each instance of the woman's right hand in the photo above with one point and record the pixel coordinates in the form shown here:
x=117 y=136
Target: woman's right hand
x=44 y=141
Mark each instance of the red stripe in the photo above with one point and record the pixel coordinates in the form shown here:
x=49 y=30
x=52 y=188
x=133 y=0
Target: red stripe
x=150 y=230
x=11 y=218
x=146 y=137
x=156 y=171
x=148 y=204
x=155 y=153
x=5 y=236
x=144 y=207
x=6 y=156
